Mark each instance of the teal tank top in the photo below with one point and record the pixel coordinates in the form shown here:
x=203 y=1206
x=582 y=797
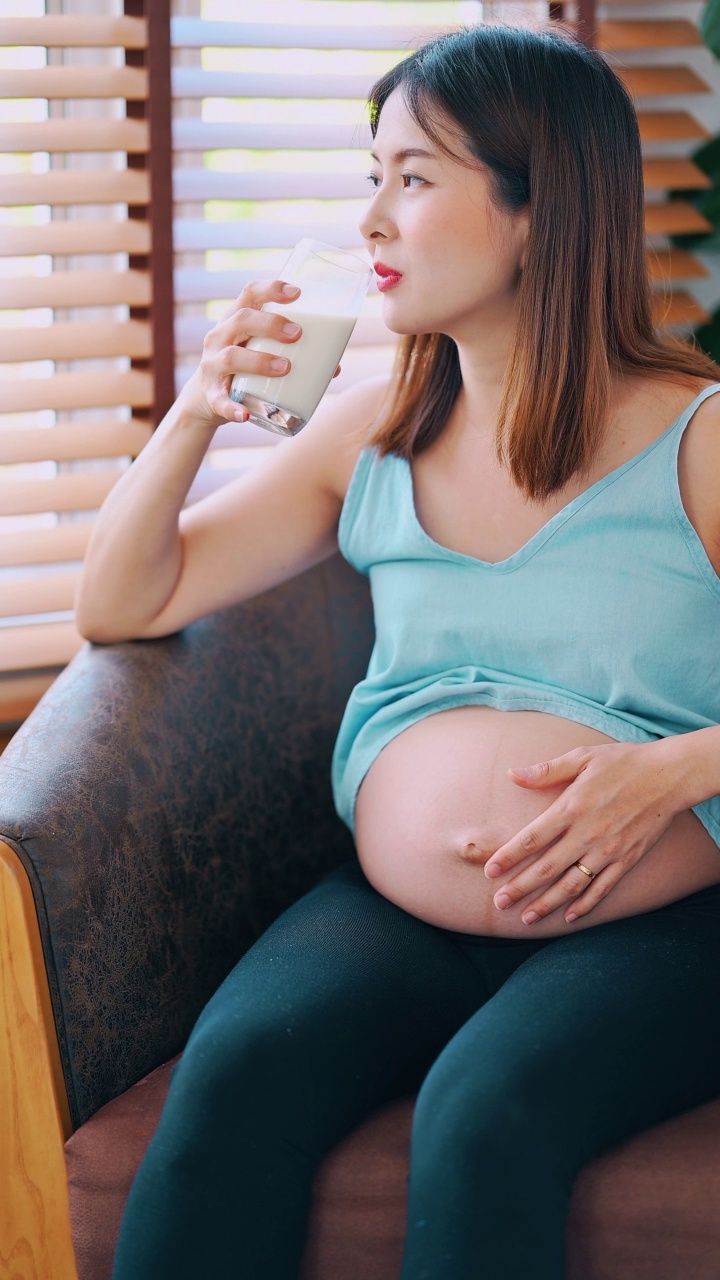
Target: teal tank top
x=608 y=616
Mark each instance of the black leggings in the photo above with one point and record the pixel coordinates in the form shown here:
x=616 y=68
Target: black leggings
x=530 y=1058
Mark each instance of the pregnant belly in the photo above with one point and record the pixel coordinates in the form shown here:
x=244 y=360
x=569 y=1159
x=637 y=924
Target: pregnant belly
x=441 y=787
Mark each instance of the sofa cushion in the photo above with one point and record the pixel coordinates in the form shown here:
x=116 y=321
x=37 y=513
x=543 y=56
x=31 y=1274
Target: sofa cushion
x=648 y=1210
x=102 y=1157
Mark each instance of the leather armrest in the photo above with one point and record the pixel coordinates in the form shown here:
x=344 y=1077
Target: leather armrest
x=168 y=798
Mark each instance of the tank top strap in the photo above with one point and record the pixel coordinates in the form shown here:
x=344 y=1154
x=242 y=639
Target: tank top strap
x=653 y=470
x=667 y=444
x=678 y=427
x=697 y=550
x=376 y=520
x=648 y=480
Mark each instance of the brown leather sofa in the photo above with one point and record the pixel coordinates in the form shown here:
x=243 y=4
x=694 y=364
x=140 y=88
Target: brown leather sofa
x=162 y=804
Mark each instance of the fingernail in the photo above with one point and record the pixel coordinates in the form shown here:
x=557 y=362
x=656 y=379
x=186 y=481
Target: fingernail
x=572 y=916
x=530 y=917
x=522 y=773
x=279 y=363
x=502 y=901
x=291 y=328
x=290 y=288
x=492 y=871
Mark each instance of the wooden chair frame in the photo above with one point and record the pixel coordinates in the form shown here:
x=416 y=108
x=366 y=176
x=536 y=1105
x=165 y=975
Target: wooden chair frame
x=34 y=1207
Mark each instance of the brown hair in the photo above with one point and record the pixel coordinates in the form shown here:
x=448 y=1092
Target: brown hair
x=555 y=129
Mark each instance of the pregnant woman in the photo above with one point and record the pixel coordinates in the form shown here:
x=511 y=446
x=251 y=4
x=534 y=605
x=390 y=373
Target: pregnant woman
x=530 y=936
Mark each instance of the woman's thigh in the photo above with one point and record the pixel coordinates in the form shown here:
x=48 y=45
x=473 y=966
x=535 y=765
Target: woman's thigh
x=591 y=1039
x=594 y=1036
x=341 y=1005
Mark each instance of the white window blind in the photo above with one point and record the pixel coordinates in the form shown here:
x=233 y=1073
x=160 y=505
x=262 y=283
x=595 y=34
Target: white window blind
x=68 y=396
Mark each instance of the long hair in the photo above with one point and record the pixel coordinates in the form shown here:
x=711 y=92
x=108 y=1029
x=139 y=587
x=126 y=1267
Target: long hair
x=556 y=130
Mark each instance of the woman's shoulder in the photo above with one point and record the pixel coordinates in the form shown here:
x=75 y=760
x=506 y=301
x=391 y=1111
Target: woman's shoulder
x=351 y=420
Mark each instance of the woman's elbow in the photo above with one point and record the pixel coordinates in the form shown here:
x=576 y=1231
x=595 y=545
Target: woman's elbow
x=96 y=629
x=97 y=633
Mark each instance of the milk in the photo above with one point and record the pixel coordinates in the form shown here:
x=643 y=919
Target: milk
x=314 y=357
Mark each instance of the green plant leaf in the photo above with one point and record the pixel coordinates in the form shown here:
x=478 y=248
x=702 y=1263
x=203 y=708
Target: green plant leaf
x=708 y=336
x=710 y=26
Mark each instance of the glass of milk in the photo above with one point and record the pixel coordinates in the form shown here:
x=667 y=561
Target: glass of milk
x=333 y=284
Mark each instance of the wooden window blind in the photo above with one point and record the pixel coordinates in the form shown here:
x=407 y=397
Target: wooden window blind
x=84 y=298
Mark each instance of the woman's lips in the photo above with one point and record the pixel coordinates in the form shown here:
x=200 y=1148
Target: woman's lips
x=387 y=282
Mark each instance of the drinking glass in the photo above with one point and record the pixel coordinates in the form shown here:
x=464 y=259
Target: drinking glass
x=333 y=286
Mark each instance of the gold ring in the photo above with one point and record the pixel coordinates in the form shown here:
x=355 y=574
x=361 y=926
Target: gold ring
x=587 y=870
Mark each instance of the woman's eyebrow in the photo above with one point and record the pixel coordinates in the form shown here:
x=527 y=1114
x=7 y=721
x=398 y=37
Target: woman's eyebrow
x=405 y=155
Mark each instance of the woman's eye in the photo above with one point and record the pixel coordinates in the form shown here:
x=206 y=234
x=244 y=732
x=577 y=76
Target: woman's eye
x=374 y=179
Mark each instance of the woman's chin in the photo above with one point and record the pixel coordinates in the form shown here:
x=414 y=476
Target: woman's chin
x=396 y=325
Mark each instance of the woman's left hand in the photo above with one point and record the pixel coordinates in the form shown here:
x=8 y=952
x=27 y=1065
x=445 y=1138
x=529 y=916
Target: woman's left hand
x=619 y=800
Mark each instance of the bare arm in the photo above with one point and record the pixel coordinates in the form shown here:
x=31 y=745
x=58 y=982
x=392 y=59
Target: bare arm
x=151 y=568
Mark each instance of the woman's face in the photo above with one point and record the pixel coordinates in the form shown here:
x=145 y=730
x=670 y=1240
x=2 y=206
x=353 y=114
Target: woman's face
x=430 y=218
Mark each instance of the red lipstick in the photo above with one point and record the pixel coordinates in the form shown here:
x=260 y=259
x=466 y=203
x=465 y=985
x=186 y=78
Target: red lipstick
x=389 y=277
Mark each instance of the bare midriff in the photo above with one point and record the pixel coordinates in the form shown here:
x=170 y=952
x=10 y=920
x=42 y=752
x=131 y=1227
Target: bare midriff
x=437 y=802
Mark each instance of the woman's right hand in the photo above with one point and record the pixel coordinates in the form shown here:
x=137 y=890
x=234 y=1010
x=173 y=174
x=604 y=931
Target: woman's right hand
x=206 y=394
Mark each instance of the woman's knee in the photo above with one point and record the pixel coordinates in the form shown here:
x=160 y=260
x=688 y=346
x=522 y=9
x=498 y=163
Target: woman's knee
x=231 y=1106
x=485 y=1113
x=241 y=1066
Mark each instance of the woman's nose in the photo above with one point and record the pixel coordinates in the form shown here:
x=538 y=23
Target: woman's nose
x=367 y=230
x=374 y=225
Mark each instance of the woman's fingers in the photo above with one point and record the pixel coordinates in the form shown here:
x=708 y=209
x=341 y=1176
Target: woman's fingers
x=224 y=352
x=535 y=838
x=246 y=319
x=231 y=360
x=575 y=891
x=229 y=363
x=226 y=409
